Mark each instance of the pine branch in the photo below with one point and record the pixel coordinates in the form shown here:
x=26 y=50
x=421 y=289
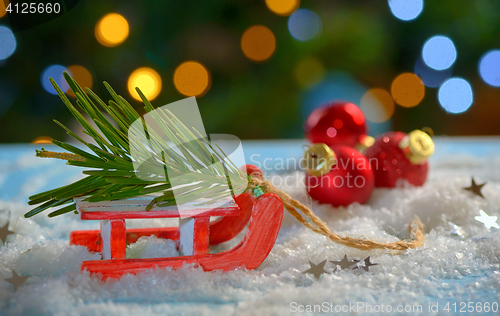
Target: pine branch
x=204 y=170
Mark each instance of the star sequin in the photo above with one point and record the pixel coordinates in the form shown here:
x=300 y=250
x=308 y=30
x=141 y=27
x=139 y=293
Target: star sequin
x=16 y=280
x=488 y=221
x=456 y=230
x=475 y=188
x=345 y=263
x=367 y=265
x=4 y=232
x=316 y=269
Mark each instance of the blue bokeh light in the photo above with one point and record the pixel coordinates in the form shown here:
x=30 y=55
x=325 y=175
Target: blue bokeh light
x=55 y=72
x=455 y=95
x=304 y=25
x=489 y=68
x=431 y=78
x=7 y=42
x=439 y=52
x=406 y=10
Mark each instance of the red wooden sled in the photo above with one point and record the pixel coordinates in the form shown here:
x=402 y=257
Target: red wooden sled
x=192 y=236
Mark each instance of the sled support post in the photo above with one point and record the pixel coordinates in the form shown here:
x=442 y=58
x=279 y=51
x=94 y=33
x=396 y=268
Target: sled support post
x=114 y=242
x=194 y=234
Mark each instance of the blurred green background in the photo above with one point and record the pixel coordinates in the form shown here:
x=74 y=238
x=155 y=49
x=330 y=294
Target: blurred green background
x=359 y=45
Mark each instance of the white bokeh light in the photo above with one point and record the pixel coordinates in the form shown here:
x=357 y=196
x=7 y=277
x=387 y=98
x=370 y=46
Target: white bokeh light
x=455 y=95
x=439 y=52
x=489 y=68
x=406 y=10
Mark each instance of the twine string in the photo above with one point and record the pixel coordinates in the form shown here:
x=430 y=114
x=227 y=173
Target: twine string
x=316 y=224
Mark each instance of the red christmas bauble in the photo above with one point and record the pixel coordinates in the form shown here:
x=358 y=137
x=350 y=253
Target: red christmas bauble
x=396 y=155
x=337 y=123
x=339 y=175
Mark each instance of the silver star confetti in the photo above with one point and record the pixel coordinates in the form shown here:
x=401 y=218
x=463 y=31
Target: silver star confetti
x=316 y=269
x=4 y=232
x=456 y=230
x=344 y=263
x=367 y=265
x=16 y=280
x=488 y=221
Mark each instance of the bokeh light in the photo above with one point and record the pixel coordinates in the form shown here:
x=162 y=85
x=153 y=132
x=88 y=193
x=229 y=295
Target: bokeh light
x=3 y=7
x=55 y=72
x=42 y=140
x=455 y=95
x=304 y=25
x=7 y=43
x=146 y=79
x=192 y=79
x=406 y=10
x=432 y=78
x=258 y=43
x=81 y=75
x=112 y=30
x=489 y=68
x=439 y=52
x=283 y=7
x=309 y=71
x=408 y=90
x=377 y=105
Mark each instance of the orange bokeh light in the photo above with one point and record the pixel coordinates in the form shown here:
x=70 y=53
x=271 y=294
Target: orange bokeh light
x=81 y=75
x=3 y=7
x=192 y=79
x=283 y=7
x=377 y=105
x=112 y=30
x=408 y=90
x=42 y=140
x=258 y=43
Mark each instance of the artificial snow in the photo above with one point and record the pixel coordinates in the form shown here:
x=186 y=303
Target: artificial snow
x=448 y=268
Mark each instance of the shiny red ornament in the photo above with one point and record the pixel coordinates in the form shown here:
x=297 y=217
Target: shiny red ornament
x=336 y=123
x=396 y=155
x=339 y=175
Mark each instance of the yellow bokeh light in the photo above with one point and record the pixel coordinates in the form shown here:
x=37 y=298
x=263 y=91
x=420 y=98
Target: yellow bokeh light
x=377 y=105
x=111 y=30
x=147 y=80
x=81 y=75
x=42 y=140
x=309 y=71
x=192 y=79
x=258 y=43
x=3 y=7
x=283 y=7
x=408 y=90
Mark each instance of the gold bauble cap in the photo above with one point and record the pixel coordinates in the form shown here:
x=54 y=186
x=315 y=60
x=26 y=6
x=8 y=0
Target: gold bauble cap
x=319 y=160
x=418 y=146
x=365 y=142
